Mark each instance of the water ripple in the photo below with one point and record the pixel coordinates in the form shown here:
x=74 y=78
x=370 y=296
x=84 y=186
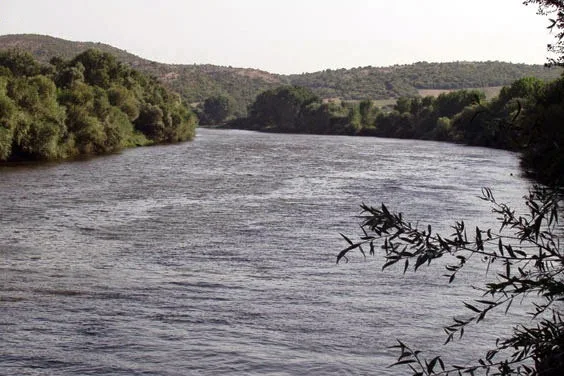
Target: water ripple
x=217 y=256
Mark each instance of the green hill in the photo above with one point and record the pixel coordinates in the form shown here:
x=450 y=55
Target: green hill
x=195 y=82
x=400 y=80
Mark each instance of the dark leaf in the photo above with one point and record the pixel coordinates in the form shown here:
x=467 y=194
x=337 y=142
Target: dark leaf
x=347 y=239
x=471 y=307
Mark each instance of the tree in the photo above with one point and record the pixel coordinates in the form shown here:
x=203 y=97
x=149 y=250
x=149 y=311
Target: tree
x=87 y=105
x=150 y=122
x=449 y=104
x=19 y=63
x=7 y=114
x=367 y=112
x=282 y=108
x=38 y=126
x=542 y=130
x=525 y=88
x=100 y=68
x=217 y=109
x=123 y=98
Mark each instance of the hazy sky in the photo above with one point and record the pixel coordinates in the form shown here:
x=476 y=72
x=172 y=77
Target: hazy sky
x=292 y=36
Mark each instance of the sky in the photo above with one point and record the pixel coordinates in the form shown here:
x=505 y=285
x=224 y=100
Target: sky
x=293 y=36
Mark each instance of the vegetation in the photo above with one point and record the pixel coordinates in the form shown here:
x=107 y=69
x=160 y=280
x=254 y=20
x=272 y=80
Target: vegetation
x=295 y=109
x=217 y=109
x=411 y=117
x=524 y=253
x=196 y=83
x=404 y=80
x=91 y=104
x=526 y=116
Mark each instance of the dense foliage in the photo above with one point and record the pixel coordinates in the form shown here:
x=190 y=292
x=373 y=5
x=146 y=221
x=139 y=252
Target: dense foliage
x=405 y=80
x=295 y=109
x=216 y=110
x=91 y=104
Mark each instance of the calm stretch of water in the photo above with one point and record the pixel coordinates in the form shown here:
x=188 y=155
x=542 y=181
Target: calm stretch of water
x=218 y=256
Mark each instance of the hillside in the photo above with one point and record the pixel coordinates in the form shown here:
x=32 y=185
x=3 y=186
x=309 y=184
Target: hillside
x=197 y=82
x=401 y=80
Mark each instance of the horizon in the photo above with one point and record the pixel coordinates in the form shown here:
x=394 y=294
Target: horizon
x=287 y=74
x=303 y=38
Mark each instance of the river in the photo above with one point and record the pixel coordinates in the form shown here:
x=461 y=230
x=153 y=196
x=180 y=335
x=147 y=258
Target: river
x=217 y=257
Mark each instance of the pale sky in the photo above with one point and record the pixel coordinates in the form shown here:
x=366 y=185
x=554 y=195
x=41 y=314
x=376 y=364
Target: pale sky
x=292 y=36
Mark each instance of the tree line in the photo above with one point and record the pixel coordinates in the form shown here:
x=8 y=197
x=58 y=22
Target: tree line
x=91 y=104
x=524 y=117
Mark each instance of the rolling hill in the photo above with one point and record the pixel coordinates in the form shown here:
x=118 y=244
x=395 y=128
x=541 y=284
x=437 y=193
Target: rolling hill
x=195 y=82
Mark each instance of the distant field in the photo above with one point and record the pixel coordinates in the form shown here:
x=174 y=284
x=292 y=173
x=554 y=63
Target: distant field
x=489 y=91
x=377 y=102
x=384 y=102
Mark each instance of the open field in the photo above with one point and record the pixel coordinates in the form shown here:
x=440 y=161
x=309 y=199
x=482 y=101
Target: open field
x=385 y=102
x=490 y=92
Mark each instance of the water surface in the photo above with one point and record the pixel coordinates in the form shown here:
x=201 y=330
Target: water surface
x=218 y=256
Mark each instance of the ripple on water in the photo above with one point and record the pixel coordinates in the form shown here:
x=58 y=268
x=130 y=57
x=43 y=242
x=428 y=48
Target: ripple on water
x=218 y=256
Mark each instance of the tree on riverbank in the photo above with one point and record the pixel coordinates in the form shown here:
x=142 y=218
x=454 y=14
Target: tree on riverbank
x=217 y=110
x=91 y=104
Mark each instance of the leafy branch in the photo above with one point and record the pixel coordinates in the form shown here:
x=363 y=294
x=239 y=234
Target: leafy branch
x=531 y=265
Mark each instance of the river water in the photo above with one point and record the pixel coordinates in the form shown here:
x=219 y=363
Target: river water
x=218 y=256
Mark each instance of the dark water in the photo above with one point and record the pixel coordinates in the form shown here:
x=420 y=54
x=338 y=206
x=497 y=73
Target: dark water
x=218 y=256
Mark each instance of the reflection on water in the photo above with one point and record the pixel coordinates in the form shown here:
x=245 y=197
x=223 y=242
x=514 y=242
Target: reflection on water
x=217 y=256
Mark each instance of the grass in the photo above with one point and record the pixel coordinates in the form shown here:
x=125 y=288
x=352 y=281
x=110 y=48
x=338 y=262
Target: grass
x=490 y=92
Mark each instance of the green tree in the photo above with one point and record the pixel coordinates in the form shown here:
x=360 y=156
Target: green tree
x=19 y=63
x=217 y=109
x=151 y=123
x=66 y=76
x=87 y=105
x=449 y=104
x=99 y=68
x=403 y=105
x=541 y=129
x=281 y=108
x=527 y=88
x=39 y=124
x=368 y=112
x=442 y=131
x=124 y=99
x=7 y=113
